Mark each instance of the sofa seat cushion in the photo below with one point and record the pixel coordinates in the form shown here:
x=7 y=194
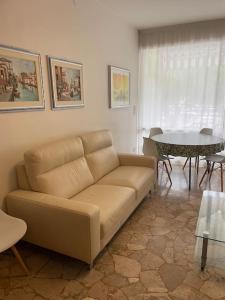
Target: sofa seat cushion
x=139 y=178
x=113 y=201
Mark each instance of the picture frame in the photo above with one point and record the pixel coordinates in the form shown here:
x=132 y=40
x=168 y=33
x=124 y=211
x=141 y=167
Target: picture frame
x=119 y=87
x=66 y=80
x=20 y=80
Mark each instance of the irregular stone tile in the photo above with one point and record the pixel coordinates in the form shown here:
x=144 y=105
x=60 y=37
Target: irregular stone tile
x=48 y=288
x=133 y=279
x=134 y=289
x=187 y=293
x=19 y=294
x=142 y=228
x=4 y=283
x=105 y=269
x=179 y=244
x=181 y=259
x=157 y=244
x=171 y=235
x=88 y=298
x=53 y=269
x=150 y=261
x=18 y=282
x=168 y=255
x=126 y=266
x=152 y=281
x=151 y=296
x=6 y=260
x=99 y=291
x=159 y=222
x=71 y=269
x=193 y=280
x=16 y=270
x=140 y=239
x=105 y=259
x=115 y=280
x=36 y=261
x=214 y=288
x=135 y=247
x=88 y=278
x=115 y=294
x=72 y=289
x=172 y=275
x=4 y=272
x=147 y=220
x=159 y=230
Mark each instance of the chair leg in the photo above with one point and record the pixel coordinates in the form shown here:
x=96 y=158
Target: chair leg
x=20 y=260
x=185 y=162
x=164 y=163
x=221 y=174
x=208 y=166
x=197 y=164
x=170 y=164
x=206 y=170
x=157 y=171
x=211 y=171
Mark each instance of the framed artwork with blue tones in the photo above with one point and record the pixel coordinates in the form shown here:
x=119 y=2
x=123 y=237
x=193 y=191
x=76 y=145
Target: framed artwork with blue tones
x=20 y=80
x=66 y=83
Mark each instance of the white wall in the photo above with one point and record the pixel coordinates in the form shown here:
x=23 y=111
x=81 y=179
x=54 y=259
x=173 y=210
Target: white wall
x=85 y=32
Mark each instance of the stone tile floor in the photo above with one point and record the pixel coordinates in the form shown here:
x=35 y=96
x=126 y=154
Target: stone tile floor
x=151 y=257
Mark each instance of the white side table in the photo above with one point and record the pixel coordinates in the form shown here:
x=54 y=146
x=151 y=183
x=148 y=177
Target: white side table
x=11 y=231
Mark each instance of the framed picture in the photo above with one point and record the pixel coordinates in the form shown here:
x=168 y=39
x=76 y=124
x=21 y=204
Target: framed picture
x=66 y=83
x=20 y=80
x=119 y=87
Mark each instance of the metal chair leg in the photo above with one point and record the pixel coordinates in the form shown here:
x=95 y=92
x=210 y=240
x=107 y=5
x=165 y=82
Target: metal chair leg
x=157 y=171
x=197 y=164
x=185 y=162
x=206 y=170
x=164 y=163
x=221 y=175
x=211 y=171
x=170 y=164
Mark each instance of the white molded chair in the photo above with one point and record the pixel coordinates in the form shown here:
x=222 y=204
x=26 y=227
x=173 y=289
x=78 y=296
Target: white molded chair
x=205 y=130
x=149 y=148
x=11 y=231
x=155 y=131
x=211 y=161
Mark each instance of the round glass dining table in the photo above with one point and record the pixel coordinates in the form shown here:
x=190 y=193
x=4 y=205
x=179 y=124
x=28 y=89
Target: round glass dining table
x=187 y=144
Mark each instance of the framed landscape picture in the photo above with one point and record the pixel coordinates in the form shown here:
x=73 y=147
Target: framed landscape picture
x=119 y=87
x=66 y=83
x=20 y=80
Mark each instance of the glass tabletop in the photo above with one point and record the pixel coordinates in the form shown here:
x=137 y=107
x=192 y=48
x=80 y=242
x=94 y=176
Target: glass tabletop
x=211 y=219
x=187 y=138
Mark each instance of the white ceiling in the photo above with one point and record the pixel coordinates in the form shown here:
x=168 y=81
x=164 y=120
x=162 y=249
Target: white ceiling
x=153 y=13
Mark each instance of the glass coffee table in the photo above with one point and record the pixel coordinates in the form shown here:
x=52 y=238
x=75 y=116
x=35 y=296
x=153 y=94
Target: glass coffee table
x=211 y=221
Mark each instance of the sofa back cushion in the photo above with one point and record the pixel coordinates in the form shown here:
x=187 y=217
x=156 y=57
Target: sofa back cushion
x=58 y=168
x=100 y=153
x=22 y=178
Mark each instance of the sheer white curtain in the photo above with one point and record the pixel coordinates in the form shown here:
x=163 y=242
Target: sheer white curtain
x=182 y=78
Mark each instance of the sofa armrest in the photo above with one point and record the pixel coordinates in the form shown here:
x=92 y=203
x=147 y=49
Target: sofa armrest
x=137 y=160
x=66 y=226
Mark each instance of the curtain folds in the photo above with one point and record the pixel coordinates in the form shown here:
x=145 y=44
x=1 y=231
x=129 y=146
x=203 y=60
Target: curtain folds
x=182 y=77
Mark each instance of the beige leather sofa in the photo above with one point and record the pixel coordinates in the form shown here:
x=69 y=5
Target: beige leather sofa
x=76 y=193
